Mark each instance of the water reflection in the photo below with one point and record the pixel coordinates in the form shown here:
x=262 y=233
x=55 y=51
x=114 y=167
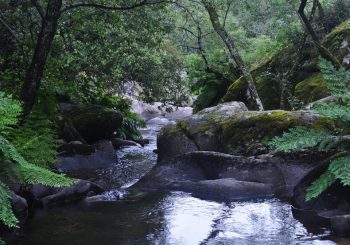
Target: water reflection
x=170 y=218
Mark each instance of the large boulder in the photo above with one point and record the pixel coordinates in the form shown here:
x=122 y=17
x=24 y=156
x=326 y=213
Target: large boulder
x=79 y=160
x=234 y=131
x=268 y=78
x=92 y=123
x=312 y=89
x=196 y=132
x=214 y=175
x=331 y=208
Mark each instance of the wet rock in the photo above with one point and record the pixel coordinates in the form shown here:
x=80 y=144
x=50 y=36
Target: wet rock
x=19 y=206
x=79 y=158
x=226 y=189
x=119 y=143
x=340 y=225
x=207 y=172
x=72 y=149
x=327 y=206
x=97 y=198
x=93 y=123
x=74 y=193
x=172 y=142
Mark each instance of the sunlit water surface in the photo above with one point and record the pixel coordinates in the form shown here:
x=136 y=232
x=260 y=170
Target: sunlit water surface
x=163 y=218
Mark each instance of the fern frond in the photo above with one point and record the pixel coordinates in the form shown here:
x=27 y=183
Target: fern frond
x=333 y=111
x=9 y=112
x=320 y=185
x=337 y=80
x=340 y=168
x=29 y=173
x=299 y=138
x=6 y=214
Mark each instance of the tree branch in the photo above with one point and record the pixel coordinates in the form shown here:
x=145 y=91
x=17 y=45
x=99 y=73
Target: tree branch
x=106 y=7
x=39 y=8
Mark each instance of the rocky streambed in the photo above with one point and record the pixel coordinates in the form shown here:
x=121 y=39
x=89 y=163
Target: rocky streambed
x=202 y=190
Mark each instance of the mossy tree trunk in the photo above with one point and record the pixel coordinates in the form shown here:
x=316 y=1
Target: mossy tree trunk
x=230 y=44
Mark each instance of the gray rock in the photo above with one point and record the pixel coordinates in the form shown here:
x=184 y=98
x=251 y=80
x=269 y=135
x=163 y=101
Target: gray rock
x=172 y=142
x=100 y=155
x=226 y=189
x=229 y=128
x=119 y=143
x=203 y=172
x=224 y=110
x=74 y=193
x=19 y=205
x=340 y=225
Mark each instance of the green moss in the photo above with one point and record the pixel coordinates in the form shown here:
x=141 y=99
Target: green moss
x=182 y=125
x=171 y=130
x=333 y=40
x=311 y=89
x=246 y=127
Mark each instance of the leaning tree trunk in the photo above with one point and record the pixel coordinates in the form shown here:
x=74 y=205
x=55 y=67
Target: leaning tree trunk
x=324 y=52
x=230 y=44
x=35 y=71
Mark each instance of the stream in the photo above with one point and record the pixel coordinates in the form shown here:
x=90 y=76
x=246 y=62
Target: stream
x=164 y=217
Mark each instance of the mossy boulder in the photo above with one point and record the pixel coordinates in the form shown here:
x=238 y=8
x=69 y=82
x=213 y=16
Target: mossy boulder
x=241 y=132
x=269 y=74
x=93 y=123
x=312 y=89
x=247 y=132
x=338 y=42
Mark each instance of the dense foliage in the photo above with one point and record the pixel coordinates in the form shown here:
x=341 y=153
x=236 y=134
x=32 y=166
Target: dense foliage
x=97 y=51
x=24 y=163
x=338 y=82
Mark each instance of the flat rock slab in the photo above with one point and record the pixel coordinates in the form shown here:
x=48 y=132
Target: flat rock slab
x=214 y=175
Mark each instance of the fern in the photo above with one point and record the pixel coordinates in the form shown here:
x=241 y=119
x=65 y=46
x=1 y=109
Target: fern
x=9 y=112
x=6 y=214
x=34 y=139
x=298 y=138
x=340 y=168
x=320 y=185
x=333 y=111
x=337 y=80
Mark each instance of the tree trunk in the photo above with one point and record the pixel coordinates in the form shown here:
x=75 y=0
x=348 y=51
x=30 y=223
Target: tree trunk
x=35 y=71
x=230 y=44
x=321 y=49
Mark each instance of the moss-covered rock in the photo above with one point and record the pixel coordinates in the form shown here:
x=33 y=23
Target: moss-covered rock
x=247 y=132
x=338 y=41
x=312 y=89
x=241 y=132
x=93 y=123
x=268 y=74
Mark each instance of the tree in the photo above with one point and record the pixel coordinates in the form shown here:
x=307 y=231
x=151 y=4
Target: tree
x=50 y=18
x=324 y=52
x=235 y=55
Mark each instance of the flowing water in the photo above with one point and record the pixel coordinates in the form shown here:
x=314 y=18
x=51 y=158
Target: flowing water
x=163 y=217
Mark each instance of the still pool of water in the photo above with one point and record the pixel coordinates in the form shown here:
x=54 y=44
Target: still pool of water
x=170 y=218
x=163 y=217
